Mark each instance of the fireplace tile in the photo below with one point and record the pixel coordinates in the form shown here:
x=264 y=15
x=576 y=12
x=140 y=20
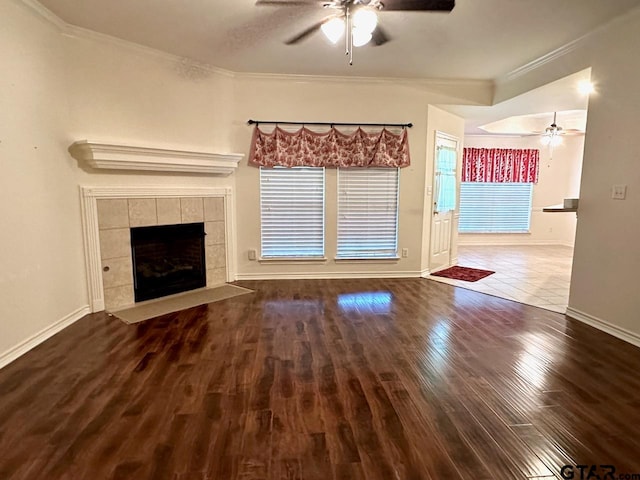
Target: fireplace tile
x=113 y=213
x=215 y=233
x=216 y=276
x=192 y=210
x=115 y=243
x=216 y=257
x=169 y=212
x=117 y=297
x=142 y=212
x=120 y=272
x=213 y=209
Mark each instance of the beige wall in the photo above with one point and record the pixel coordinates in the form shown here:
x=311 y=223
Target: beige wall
x=56 y=89
x=444 y=122
x=41 y=263
x=339 y=101
x=559 y=179
x=59 y=88
x=117 y=92
x=604 y=286
x=140 y=97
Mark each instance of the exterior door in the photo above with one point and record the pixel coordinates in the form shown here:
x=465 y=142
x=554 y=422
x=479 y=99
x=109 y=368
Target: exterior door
x=444 y=201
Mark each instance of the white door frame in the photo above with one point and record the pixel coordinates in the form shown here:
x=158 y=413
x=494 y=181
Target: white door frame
x=450 y=237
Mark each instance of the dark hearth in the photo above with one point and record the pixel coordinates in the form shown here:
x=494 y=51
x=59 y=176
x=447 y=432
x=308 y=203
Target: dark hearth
x=167 y=259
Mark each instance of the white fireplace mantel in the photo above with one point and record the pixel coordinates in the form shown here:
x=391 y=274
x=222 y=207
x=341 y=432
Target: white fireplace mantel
x=126 y=157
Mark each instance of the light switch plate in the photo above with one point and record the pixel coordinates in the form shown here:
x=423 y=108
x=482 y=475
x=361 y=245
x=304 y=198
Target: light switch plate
x=252 y=254
x=619 y=192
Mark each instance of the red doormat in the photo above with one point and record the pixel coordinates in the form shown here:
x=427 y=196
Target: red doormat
x=463 y=273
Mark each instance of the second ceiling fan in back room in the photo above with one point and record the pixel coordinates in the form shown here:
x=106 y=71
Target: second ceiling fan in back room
x=357 y=20
x=552 y=135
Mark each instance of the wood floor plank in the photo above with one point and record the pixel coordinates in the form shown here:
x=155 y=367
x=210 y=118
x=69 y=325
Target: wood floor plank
x=389 y=379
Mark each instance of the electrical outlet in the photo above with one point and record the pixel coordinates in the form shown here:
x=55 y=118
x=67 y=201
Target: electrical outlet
x=619 y=192
x=405 y=252
x=252 y=254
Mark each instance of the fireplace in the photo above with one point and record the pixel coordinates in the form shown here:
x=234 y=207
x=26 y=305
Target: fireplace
x=167 y=259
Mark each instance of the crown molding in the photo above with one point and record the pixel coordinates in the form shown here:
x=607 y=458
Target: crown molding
x=127 y=157
x=402 y=81
x=74 y=31
x=45 y=14
x=543 y=60
x=564 y=49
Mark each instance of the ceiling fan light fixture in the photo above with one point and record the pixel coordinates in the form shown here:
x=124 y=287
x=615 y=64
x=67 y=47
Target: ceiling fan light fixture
x=360 y=37
x=555 y=140
x=365 y=20
x=333 y=29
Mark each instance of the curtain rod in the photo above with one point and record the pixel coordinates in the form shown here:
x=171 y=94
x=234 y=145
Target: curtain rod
x=333 y=124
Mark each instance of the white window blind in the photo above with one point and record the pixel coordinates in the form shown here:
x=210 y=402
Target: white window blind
x=367 y=212
x=292 y=212
x=495 y=207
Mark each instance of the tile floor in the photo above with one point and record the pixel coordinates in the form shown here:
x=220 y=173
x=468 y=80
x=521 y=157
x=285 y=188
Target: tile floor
x=535 y=275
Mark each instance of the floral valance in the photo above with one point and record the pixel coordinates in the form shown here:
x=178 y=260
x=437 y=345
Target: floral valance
x=501 y=165
x=329 y=149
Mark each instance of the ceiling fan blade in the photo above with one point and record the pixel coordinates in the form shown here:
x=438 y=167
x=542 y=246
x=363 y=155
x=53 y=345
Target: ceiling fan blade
x=418 y=5
x=305 y=33
x=379 y=36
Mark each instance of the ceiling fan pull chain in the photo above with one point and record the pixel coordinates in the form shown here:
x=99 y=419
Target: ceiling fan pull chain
x=350 y=34
x=347 y=30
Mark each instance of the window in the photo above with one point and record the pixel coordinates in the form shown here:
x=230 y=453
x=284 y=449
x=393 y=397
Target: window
x=495 y=207
x=367 y=213
x=445 y=173
x=292 y=212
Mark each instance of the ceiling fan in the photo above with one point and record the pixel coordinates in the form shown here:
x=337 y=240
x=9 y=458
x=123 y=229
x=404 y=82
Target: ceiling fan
x=552 y=135
x=358 y=17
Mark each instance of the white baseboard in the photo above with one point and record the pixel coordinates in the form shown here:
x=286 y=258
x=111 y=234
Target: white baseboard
x=621 y=333
x=324 y=275
x=48 y=332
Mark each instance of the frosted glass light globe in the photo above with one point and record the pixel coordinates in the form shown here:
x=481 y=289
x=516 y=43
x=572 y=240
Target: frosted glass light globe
x=360 y=37
x=365 y=20
x=333 y=29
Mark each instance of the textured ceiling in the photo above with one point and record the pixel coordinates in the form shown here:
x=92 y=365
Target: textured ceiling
x=480 y=39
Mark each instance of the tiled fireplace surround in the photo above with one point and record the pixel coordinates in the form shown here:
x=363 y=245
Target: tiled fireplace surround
x=109 y=213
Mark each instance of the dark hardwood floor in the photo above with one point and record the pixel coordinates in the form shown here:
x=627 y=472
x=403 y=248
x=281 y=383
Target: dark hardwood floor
x=324 y=379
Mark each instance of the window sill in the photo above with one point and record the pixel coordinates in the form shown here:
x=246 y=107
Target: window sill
x=298 y=260
x=366 y=259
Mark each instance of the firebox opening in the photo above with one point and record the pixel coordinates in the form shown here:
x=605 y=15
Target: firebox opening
x=167 y=259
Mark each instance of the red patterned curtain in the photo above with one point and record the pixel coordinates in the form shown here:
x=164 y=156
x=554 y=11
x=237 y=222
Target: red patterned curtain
x=330 y=149
x=501 y=165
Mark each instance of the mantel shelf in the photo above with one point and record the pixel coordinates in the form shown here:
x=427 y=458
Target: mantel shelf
x=126 y=157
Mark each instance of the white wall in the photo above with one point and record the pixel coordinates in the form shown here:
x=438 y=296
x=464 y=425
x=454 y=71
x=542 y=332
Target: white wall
x=64 y=84
x=444 y=122
x=560 y=171
x=41 y=263
x=277 y=98
x=57 y=89
x=140 y=97
x=119 y=92
x=604 y=285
